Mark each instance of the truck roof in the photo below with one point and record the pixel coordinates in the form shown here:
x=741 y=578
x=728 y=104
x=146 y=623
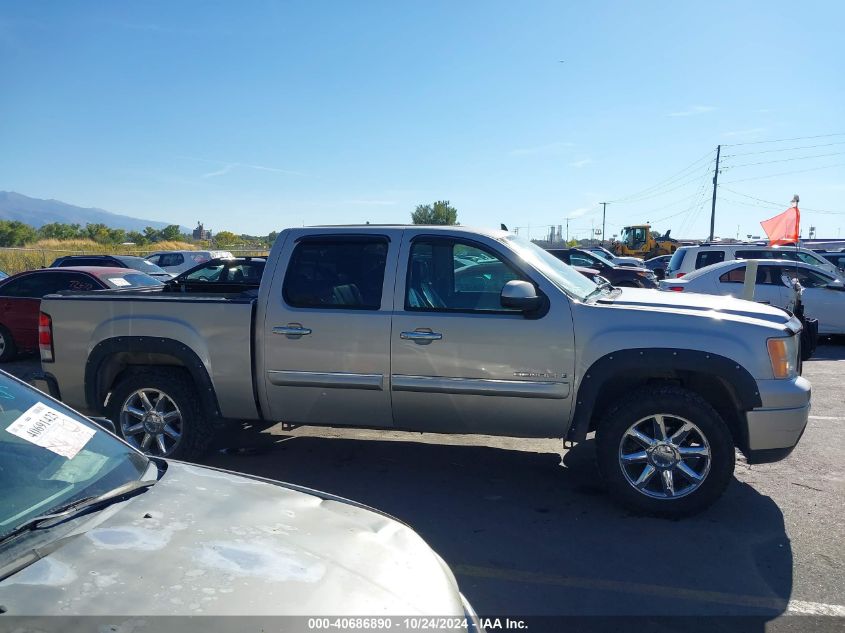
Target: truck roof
x=495 y=233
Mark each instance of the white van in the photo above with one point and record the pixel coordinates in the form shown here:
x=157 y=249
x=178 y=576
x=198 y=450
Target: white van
x=179 y=261
x=689 y=258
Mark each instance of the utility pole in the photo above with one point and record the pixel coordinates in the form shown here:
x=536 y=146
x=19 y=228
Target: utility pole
x=567 y=231
x=715 y=184
x=603 y=217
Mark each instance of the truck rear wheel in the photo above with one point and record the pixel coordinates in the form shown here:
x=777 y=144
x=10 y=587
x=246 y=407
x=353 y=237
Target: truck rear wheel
x=157 y=411
x=665 y=451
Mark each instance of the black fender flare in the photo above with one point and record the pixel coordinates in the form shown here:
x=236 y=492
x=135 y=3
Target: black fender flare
x=95 y=394
x=661 y=360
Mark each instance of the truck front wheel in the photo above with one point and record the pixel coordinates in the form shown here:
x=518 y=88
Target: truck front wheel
x=665 y=451
x=157 y=411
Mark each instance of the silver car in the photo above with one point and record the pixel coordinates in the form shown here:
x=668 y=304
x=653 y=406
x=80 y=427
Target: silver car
x=90 y=526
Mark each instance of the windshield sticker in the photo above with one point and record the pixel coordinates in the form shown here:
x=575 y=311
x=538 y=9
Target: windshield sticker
x=45 y=427
x=118 y=281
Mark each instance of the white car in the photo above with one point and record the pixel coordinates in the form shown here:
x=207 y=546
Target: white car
x=823 y=296
x=179 y=261
x=689 y=258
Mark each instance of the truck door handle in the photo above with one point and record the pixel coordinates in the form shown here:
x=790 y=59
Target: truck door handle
x=421 y=337
x=294 y=329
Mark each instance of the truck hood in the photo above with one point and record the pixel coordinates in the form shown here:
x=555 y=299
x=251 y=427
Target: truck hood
x=714 y=306
x=208 y=542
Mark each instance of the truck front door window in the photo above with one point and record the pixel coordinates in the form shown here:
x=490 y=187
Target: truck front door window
x=454 y=276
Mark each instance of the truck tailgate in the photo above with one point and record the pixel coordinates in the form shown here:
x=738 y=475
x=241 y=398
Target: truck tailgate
x=217 y=328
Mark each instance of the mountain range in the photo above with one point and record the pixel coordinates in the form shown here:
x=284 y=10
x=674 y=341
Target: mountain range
x=37 y=212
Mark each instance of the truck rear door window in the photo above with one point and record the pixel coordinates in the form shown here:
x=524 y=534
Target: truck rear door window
x=336 y=273
x=705 y=258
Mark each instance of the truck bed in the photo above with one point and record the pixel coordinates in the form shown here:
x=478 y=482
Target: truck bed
x=216 y=327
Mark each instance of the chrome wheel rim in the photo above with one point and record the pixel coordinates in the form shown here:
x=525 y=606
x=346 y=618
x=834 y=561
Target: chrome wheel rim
x=664 y=456
x=151 y=422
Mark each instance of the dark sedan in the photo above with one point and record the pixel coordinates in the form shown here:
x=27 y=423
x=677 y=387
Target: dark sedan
x=658 y=265
x=220 y=275
x=624 y=276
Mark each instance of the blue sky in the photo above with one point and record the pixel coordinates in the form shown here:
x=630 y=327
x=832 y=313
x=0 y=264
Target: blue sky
x=253 y=116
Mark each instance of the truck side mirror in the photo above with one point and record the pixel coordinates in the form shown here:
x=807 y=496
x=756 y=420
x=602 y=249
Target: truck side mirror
x=520 y=295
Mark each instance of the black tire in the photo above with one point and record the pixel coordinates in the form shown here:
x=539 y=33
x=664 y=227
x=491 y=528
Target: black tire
x=8 y=349
x=676 y=405
x=194 y=427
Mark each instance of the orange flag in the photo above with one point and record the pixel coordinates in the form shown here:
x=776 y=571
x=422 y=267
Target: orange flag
x=783 y=228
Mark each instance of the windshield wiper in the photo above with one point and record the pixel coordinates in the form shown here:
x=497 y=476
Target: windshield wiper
x=79 y=506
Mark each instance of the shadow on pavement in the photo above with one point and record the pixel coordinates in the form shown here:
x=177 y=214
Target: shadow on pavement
x=527 y=534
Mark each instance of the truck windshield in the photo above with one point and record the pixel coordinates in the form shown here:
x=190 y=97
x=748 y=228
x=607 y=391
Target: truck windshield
x=51 y=455
x=561 y=275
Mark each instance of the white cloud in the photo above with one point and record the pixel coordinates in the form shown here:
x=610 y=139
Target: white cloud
x=229 y=167
x=748 y=132
x=693 y=110
x=548 y=148
x=372 y=203
x=578 y=164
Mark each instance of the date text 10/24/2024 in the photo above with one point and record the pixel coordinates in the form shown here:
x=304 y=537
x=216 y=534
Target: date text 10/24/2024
x=419 y=623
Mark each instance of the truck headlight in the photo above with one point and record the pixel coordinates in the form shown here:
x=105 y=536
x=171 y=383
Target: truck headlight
x=783 y=355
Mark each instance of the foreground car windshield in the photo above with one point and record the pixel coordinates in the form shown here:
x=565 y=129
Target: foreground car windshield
x=562 y=275
x=50 y=456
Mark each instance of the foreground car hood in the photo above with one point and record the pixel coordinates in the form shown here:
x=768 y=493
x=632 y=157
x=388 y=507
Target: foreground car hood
x=702 y=304
x=207 y=542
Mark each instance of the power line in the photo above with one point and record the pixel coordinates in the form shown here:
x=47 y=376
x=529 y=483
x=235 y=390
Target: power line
x=783 y=140
x=784 y=160
x=784 y=149
x=666 y=181
x=703 y=170
x=784 y=173
x=777 y=204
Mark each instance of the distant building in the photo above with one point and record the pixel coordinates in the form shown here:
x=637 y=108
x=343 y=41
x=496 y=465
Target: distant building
x=201 y=233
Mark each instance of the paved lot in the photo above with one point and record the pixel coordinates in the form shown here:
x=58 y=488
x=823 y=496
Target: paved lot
x=528 y=529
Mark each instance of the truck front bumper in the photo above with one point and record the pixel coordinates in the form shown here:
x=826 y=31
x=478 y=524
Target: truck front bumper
x=773 y=430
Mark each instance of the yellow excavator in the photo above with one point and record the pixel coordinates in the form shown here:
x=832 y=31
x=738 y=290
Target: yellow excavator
x=640 y=241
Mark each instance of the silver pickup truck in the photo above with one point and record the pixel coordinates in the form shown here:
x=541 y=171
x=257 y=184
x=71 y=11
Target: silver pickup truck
x=445 y=330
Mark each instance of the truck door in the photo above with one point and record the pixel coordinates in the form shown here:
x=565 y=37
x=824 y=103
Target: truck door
x=460 y=363
x=326 y=343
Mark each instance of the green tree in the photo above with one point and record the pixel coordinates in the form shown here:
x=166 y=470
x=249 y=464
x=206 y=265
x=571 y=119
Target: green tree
x=15 y=233
x=59 y=231
x=441 y=212
x=151 y=234
x=171 y=233
x=271 y=238
x=137 y=237
x=226 y=238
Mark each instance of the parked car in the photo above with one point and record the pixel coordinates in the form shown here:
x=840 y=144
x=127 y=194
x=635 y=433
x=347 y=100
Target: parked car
x=83 y=512
x=220 y=275
x=113 y=261
x=622 y=276
x=823 y=295
x=20 y=299
x=179 y=261
x=836 y=258
x=689 y=258
x=373 y=326
x=658 y=265
x=618 y=260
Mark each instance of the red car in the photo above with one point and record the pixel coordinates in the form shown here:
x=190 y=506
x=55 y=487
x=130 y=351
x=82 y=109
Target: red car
x=20 y=298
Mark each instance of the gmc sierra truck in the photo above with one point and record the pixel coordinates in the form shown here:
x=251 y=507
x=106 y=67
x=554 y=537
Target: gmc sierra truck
x=445 y=330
